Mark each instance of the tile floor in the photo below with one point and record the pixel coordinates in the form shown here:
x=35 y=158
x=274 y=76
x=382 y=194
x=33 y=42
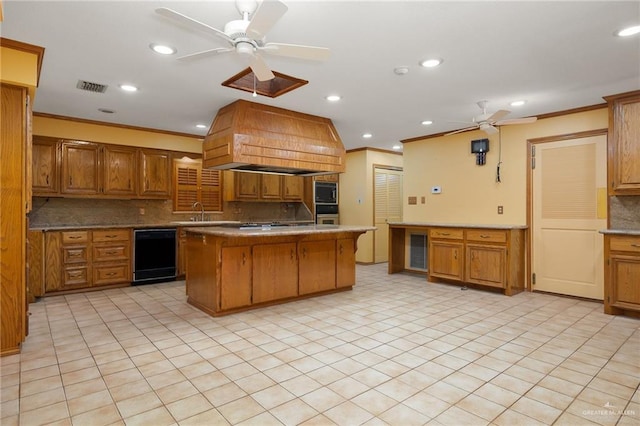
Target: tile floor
x=395 y=351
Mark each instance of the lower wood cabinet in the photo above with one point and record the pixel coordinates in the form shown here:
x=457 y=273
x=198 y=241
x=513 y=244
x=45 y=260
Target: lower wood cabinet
x=275 y=272
x=317 y=266
x=83 y=259
x=622 y=274
x=235 y=277
x=345 y=261
x=488 y=257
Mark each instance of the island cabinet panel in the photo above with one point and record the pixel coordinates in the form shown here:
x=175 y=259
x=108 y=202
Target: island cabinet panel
x=345 y=262
x=317 y=266
x=275 y=272
x=235 y=290
x=446 y=260
x=203 y=272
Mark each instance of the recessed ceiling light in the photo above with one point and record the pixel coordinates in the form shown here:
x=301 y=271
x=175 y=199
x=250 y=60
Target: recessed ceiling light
x=401 y=70
x=430 y=63
x=201 y=126
x=367 y=135
x=397 y=147
x=629 y=31
x=333 y=98
x=162 y=49
x=518 y=103
x=427 y=123
x=128 y=87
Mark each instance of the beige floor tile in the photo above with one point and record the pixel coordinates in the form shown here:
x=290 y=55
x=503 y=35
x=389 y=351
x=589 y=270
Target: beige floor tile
x=129 y=390
x=537 y=410
x=348 y=413
x=264 y=419
x=41 y=385
x=401 y=414
x=272 y=396
x=176 y=391
x=322 y=399
x=138 y=404
x=427 y=405
x=189 y=406
x=41 y=399
x=374 y=402
x=159 y=416
x=209 y=417
x=44 y=415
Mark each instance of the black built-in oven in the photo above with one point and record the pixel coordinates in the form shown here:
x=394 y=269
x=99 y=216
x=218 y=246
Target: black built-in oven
x=154 y=255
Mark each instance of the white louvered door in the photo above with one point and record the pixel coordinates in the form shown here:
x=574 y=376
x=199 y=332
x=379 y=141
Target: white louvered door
x=569 y=208
x=388 y=208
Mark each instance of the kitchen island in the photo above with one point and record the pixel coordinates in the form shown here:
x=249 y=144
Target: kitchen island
x=230 y=269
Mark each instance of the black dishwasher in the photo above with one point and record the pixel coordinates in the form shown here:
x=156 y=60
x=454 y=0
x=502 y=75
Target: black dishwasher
x=154 y=255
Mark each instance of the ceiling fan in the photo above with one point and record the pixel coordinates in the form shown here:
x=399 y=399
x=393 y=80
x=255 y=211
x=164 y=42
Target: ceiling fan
x=488 y=122
x=246 y=36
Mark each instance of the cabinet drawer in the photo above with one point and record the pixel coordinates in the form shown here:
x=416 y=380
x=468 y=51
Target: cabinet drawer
x=446 y=233
x=110 y=235
x=110 y=252
x=487 y=236
x=75 y=255
x=111 y=274
x=75 y=277
x=624 y=243
x=73 y=237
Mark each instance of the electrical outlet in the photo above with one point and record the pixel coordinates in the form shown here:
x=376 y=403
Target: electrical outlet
x=500 y=210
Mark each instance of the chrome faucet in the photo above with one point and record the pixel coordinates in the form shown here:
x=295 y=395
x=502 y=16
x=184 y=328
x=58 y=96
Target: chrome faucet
x=193 y=207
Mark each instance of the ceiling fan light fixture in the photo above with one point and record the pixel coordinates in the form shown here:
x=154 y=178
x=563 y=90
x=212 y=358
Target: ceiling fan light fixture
x=163 y=49
x=629 y=31
x=431 y=63
x=245 y=48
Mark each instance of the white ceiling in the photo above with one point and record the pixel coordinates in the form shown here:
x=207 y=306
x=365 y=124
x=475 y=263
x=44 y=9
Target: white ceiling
x=556 y=55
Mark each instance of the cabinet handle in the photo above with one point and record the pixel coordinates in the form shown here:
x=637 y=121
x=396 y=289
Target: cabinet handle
x=70 y=180
x=484 y=236
x=75 y=274
x=455 y=254
x=304 y=252
x=74 y=237
x=635 y=245
x=111 y=252
x=74 y=254
x=340 y=249
x=444 y=234
x=292 y=254
x=47 y=179
x=111 y=236
x=110 y=274
x=129 y=184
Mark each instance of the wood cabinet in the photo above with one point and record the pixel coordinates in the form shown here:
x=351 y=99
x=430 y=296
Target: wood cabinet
x=45 y=166
x=622 y=274
x=80 y=168
x=155 y=174
x=245 y=186
x=83 y=259
x=15 y=184
x=317 y=266
x=182 y=252
x=193 y=184
x=333 y=177
x=69 y=168
x=446 y=251
x=120 y=166
x=275 y=272
x=35 y=265
x=623 y=144
x=490 y=257
x=257 y=269
x=235 y=276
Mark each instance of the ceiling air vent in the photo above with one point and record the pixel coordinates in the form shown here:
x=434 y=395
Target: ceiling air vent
x=91 y=87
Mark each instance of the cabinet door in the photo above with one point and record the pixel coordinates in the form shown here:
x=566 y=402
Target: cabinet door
x=182 y=249
x=155 y=174
x=35 y=268
x=45 y=170
x=486 y=265
x=317 y=266
x=624 y=134
x=53 y=261
x=80 y=168
x=292 y=188
x=185 y=177
x=275 y=272
x=210 y=188
x=345 y=263
x=247 y=186
x=446 y=260
x=120 y=170
x=271 y=187
x=235 y=277
x=624 y=291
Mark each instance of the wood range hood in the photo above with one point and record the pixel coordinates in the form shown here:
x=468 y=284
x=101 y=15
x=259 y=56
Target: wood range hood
x=247 y=136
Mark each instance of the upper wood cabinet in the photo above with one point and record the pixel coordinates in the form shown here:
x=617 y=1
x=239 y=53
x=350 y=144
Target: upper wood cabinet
x=245 y=186
x=119 y=170
x=44 y=166
x=80 y=168
x=624 y=144
x=85 y=169
x=155 y=174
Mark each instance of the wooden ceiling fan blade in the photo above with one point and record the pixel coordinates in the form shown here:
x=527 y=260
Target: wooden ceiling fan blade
x=466 y=129
x=516 y=121
x=192 y=23
x=297 y=51
x=265 y=17
x=260 y=68
x=205 y=53
x=498 y=115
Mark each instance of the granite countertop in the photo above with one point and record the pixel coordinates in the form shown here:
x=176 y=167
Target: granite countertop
x=276 y=230
x=620 y=231
x=457 y=225
x=133 y=225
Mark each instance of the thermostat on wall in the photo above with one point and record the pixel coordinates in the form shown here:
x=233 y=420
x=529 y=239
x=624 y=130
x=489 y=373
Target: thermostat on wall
x=436 y=189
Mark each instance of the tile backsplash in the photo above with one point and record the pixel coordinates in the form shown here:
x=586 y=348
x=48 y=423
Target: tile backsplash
x=50 y=212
